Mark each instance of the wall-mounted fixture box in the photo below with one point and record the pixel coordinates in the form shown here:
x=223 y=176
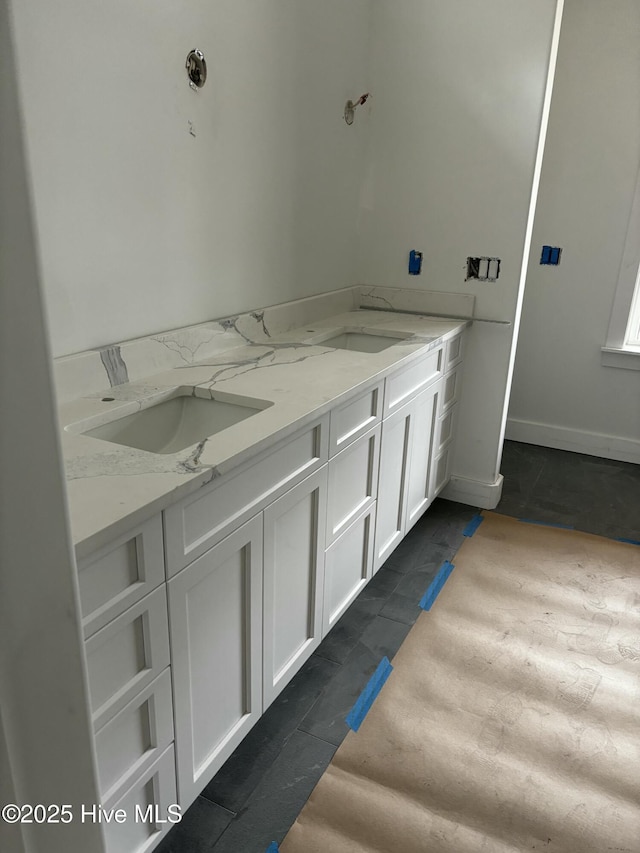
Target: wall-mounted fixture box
x=415 y=262
x=483 y=269
x=550 y=255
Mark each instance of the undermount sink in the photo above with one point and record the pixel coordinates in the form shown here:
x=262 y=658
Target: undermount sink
x=176 y=423
x=363 y=341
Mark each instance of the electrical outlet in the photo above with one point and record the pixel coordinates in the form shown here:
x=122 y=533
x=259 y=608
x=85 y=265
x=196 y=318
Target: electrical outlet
x=483 y=269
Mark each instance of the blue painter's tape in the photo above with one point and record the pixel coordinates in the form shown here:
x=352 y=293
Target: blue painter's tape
x=273 y=848
x=436 y=585
x=368 y=696
x=473 y=525
x=546 y=524
x=629 y=541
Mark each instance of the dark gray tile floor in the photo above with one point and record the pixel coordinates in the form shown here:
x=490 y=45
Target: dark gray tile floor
x=595 y=495
x=258 y=793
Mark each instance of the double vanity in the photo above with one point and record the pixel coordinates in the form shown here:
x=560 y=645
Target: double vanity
x=226 y=512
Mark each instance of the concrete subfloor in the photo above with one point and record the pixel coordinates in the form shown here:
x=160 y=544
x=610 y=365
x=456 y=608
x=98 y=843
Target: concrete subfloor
x=260 y=790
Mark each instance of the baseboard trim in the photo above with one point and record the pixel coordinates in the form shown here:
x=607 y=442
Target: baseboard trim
x=473 y=492
x=578 y=441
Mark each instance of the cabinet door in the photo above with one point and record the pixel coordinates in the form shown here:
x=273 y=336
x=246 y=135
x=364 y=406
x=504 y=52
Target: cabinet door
x=423 y=428
x=347 y=567
x=215 y=612
x=392 y=483
x=352 y=483
x=294 y=529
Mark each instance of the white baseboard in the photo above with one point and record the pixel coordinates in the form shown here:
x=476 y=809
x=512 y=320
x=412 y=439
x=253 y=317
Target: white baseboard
x=592 y=443
x=473 y=492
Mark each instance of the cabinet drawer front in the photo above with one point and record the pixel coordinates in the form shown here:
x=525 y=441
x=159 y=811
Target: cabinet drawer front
x=453 y=352
x=146 y=805
x=215 y=608
x=451 y=389
x=130 y=743
x=351 y=420
x=204 y=518
x=114 y=578
x=441 y=471
x=348 y=566
x=293 y=576
x=127 y=655
x=353 y=482
x=401 y=386
x=445 y=429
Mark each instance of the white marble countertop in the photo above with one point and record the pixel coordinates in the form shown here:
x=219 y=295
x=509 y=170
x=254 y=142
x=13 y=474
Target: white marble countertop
x=112 y=487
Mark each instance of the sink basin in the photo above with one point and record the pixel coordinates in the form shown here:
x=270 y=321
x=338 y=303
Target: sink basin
x=363 y=341
x=178 y=422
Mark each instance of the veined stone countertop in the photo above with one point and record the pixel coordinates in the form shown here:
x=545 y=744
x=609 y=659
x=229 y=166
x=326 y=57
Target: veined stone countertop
x=111 y=487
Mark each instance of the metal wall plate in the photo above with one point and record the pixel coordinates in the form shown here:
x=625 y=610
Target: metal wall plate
x=196 y=68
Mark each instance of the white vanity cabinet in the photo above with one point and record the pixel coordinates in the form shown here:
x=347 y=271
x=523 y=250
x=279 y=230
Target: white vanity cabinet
x=422 y=444
x=149 y=805
x=392 y=483
x=353 y=486
x=120 y=574
x=245 y=567
x=348 y=567
x=417 y=436
x=194 y=622
x=126 y=655
x=406 y=452
x=215 y=611
x=293 y=581
x=244 y=616
x=446 y=415
x=197 y=522
x=406 y=456
x=124 y=609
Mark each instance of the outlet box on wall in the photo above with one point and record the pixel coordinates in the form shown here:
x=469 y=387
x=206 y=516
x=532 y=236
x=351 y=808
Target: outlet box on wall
x=415 y=262
x=483 y=268
x=550 y=256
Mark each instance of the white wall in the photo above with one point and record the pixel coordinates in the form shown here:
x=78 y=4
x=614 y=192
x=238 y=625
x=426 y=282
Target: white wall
x=10 y=833
x=562 y=395
x=458 y=91
x=145 y=227
x=45 y=730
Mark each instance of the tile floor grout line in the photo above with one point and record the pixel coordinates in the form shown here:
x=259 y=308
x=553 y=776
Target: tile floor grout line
x=284 y=744
x=397 y=621
x=202 y=796
x=321 y=739
x=213 y=802
x=324 y=657
x=247 y=803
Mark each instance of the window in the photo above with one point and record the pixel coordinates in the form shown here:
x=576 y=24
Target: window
x=623 y=340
